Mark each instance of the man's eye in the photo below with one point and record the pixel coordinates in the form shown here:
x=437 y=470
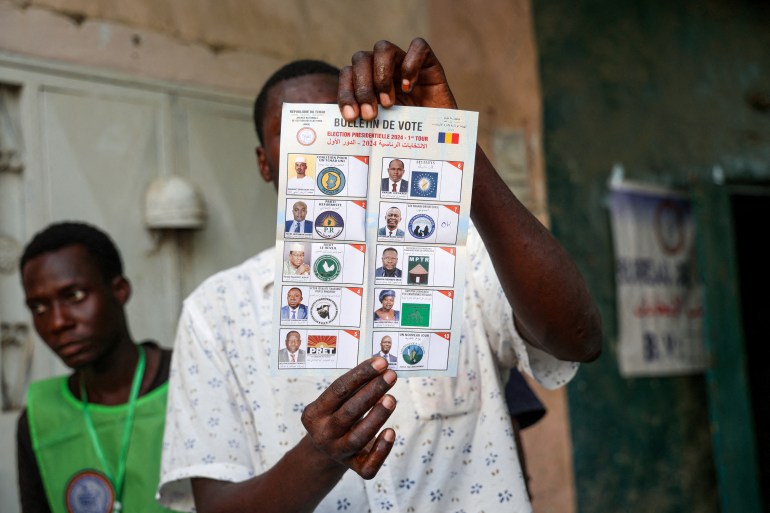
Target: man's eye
x=37 y=308
x=77 y=295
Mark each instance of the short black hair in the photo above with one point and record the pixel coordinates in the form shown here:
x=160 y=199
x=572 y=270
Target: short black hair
x=73 y=233
x=291 y=70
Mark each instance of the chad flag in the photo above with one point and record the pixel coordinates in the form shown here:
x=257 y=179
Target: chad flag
x=448 y=138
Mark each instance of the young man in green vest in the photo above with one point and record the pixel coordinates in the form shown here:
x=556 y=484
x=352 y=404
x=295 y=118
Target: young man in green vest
x=89 y=441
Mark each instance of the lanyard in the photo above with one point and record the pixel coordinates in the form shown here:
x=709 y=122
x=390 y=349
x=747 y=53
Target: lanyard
x=117 y=478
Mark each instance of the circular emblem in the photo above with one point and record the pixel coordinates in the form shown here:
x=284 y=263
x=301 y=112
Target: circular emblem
x=89 y=491
x=331 y=181
x=412 y=354
x=323 y=310
x=329 y=224
x=306 y=136
x=421 y=226
x=327 y=268
x=670 y=226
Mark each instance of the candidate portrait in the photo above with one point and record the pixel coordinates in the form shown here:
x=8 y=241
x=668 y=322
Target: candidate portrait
x=387 y=312
x=292 y=353
x=395 y=181
x=385 y=345
x=295 y=263
x=294 y=310
x=389 y=267
x=302 y=182
x=298 y=223
x=392 y=219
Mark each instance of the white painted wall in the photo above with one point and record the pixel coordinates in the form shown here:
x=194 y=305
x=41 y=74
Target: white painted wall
x=94 y=143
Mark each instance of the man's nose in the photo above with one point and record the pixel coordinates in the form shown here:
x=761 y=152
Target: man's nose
x=60 y=318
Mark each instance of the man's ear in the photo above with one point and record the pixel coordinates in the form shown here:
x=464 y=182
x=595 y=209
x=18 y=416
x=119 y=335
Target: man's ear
x=264 y=168
x=121 y=289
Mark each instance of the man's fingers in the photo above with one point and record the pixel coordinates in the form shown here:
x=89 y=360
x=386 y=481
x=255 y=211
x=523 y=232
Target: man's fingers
x=346 y=99
x=361 y=431
x=368 y=463
x=386 y=64
x=418 y=55
x=362 y=84
x=352 y=410
x=423 y=81
x=388 y=75
x=369 y=81
x=338 y=423
x=346 y=386
x=356 y=95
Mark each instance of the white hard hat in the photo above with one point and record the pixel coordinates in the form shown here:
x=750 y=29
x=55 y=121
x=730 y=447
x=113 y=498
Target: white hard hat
x=173 y=202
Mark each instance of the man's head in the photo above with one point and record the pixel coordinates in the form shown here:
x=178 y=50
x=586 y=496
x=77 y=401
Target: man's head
x=389 y=258
x=392 y=218
x=293 y=341
x=395 y=170
x=304 y=81
x=59 y=235
x=296 y=254
x=299 y=210
x=73 y=281
x=387 y=298
x=300 y=167
x=294 y=297
x=385 y=344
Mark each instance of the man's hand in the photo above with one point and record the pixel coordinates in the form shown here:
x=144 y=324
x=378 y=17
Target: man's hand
x=389 y=76
x=339 y=438
x=336 y=424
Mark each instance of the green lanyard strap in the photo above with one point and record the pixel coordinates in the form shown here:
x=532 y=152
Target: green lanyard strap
x=118 y=477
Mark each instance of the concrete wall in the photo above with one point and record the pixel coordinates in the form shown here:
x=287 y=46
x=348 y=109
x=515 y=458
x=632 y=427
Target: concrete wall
x=487 y=47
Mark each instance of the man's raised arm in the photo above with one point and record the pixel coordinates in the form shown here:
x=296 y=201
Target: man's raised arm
x=550 y=300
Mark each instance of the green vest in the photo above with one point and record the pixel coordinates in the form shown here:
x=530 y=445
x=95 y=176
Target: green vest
x=63 y=447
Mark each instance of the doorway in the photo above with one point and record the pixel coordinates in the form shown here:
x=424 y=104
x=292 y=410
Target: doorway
x=750 y=209
x=727 y=216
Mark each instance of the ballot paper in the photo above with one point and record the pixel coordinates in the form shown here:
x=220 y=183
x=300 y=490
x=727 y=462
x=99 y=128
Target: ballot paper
x=371 y=239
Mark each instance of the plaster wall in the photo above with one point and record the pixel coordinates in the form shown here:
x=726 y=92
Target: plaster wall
x=228 y=45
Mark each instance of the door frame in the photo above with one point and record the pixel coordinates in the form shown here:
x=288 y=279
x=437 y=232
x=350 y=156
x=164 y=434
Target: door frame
x=732 y=428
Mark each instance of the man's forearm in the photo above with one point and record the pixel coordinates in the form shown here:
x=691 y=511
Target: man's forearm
x=550 y=301
x=297 y=483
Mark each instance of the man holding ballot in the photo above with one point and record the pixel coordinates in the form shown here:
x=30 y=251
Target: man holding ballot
x=236 y=435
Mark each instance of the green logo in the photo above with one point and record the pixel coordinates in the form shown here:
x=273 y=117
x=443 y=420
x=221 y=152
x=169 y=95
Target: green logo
x=327 y=268
x=415 y=314
x=417 y=270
